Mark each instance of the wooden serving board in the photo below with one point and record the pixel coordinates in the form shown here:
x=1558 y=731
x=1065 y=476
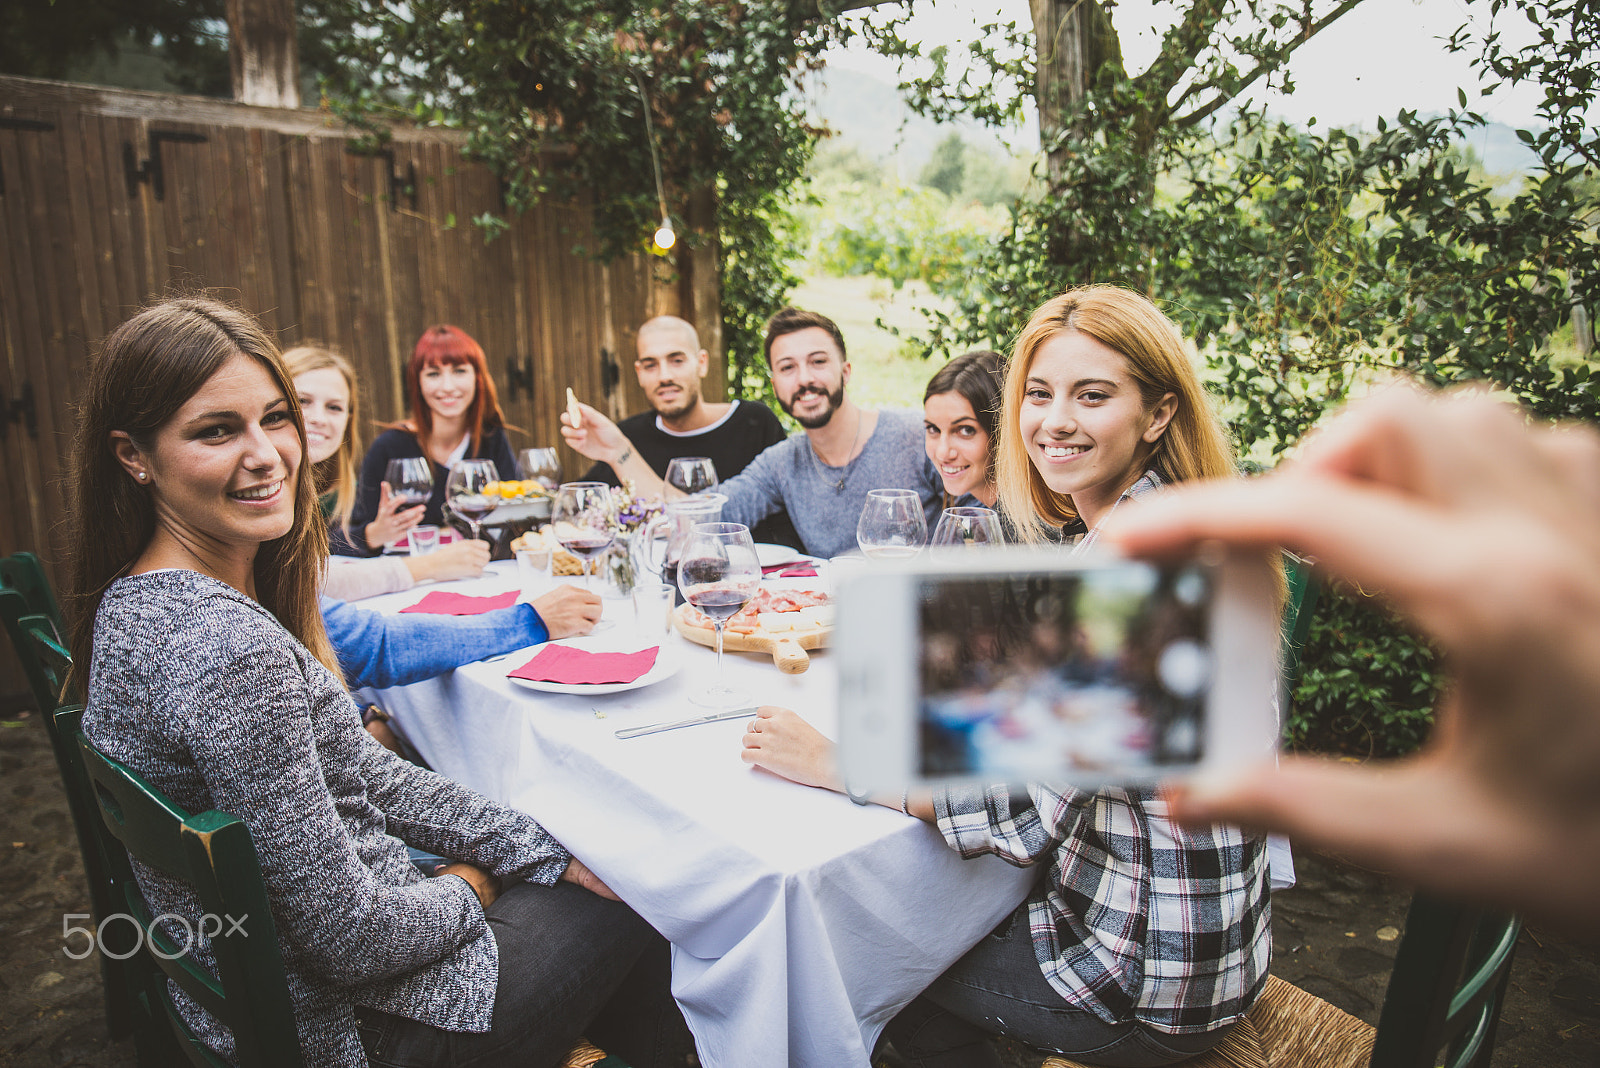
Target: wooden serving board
x=788 y=649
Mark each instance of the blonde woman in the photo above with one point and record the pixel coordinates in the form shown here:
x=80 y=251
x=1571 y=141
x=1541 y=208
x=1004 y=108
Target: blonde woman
x=326 y=385
x=1141 y=944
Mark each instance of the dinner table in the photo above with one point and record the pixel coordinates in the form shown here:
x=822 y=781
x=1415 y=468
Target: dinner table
x=800 y=922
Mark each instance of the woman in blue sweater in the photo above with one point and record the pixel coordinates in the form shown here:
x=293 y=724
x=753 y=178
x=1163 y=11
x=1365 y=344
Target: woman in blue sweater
x=454 y=414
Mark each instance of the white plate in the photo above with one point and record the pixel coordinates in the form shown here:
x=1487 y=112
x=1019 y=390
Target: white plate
x=771 y=555
x=666 y=665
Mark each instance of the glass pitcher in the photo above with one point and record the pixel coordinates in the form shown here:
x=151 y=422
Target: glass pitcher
x=661 y=542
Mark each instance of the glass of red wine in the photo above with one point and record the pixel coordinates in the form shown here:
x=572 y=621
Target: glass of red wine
x=584 y=521
x=719 y=573
x=465 y=490
x=411 y=479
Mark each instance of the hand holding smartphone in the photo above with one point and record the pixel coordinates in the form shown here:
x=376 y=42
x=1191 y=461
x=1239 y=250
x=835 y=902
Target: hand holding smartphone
x=1023 y=667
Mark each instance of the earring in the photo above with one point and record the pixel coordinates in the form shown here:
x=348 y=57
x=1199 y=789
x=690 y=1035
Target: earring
x=143 y=476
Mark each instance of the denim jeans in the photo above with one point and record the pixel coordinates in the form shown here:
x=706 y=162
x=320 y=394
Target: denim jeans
x=998 y=989
x=571 y=964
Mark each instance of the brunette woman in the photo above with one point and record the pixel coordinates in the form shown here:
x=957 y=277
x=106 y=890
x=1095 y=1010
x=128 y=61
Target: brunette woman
x=454 y=414
x=1141 y=944
x=961 y=417
x=197 y=549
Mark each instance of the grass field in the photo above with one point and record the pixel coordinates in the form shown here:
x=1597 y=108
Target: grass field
x=886 y=371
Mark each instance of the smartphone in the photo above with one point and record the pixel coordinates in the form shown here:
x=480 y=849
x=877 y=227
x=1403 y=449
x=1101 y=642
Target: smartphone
x=1019 y=665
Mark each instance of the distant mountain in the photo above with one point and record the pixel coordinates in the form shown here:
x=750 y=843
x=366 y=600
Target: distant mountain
x=870 y=114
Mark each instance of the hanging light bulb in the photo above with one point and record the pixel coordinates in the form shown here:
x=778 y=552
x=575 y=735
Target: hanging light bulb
x=665 y=238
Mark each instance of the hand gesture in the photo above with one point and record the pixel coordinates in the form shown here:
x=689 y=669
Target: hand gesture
x=465 y=558
x=1485 y=533
x=579 y=874
x=596 y=437
x=393 y=521
x=485 y=885
x=567 y=610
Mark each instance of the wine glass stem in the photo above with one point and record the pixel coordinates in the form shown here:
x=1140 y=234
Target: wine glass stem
x=717 y=626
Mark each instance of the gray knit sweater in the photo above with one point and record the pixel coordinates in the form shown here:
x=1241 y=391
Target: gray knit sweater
x=200 y=690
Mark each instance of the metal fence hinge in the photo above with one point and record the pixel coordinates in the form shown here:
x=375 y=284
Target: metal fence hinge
x=519 y=376
x=20 y=410
x=398 y=187
x=149 y=170
x=30 y=125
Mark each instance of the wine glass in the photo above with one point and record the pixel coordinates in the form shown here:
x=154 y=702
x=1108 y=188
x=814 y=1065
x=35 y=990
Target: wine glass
x=688 y=475
x=718 y=573
x=464 y=490
x=892 y=524
x=541 y=465
x=583 y=520
x=411 y=479
x=966 y=528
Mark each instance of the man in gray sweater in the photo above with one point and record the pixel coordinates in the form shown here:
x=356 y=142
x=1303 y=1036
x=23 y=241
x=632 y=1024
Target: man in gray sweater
x=821 y=476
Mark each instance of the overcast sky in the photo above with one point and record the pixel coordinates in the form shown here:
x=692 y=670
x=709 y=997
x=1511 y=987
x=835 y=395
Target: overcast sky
x=1383 y=56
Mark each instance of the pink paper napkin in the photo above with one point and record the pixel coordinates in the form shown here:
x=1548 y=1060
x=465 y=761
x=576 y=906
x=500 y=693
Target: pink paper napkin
x=443 y=603
x=799 y=571
x=578 y=667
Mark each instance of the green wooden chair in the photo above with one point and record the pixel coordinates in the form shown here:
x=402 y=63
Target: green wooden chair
x=1297 y=611
x=24 y=573
x=214 y=854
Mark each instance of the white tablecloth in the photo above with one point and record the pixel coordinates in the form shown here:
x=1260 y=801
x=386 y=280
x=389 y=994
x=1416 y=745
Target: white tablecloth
x=800 y=923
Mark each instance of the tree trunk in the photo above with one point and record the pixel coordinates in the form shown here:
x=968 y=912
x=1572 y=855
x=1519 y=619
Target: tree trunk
x=1073 y=39
x=262 y=53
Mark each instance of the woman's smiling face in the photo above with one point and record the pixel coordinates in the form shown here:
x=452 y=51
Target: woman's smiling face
x=448 y=388
x=325 y=402
x=223 y=469
x=1084 y=421
x=957 y=444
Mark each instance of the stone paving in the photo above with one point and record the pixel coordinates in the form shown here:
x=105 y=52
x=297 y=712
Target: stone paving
x=1334 y=935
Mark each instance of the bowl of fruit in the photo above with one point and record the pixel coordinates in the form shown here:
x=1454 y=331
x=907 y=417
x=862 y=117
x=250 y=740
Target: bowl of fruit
x=520 y=499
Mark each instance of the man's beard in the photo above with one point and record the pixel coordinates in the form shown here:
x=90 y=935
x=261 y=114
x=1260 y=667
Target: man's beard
x=687 y=401
x=814 y=422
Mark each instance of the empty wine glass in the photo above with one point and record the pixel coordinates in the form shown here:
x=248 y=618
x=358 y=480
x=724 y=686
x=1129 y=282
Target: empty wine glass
x=465 y=490
x=688 y=475
x=718 y=573
x=892 y=524
x=584 y=521
x=542 y=465
x=411 y=479
x=966 y=528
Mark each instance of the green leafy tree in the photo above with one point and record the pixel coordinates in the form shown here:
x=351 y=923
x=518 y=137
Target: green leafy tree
x=946 y=169
x=1304 y=265
x=558 y=95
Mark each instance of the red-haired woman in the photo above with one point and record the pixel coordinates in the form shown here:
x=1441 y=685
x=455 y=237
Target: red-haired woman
x=454 y=414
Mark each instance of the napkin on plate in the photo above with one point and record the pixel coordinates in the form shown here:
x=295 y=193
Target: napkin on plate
x=579 y=667
x=804 y=569
x=444 y=603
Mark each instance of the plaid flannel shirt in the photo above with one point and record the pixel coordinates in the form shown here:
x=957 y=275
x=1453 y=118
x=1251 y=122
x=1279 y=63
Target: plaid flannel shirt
x=1139 y=919
x=1078 y=534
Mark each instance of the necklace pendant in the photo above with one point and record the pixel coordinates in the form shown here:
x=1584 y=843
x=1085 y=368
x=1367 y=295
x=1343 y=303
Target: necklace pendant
x=838 y=487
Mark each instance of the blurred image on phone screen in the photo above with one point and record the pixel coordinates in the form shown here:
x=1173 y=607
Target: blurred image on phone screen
x=1103 y=671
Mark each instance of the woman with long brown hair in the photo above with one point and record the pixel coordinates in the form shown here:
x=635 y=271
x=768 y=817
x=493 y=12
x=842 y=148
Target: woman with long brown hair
x=453 y=413
x=197 y=549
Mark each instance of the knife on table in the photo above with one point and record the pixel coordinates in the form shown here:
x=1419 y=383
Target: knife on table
x=656 y=728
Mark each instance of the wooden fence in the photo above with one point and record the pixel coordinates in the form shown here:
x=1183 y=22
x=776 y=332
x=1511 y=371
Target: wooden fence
x=109 y=198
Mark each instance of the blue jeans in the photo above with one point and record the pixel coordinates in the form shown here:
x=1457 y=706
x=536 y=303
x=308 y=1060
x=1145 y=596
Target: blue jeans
x=571 y=964
x=998 y=989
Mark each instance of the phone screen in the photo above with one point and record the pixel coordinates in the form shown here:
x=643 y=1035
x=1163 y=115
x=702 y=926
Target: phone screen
x=1096 y=672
